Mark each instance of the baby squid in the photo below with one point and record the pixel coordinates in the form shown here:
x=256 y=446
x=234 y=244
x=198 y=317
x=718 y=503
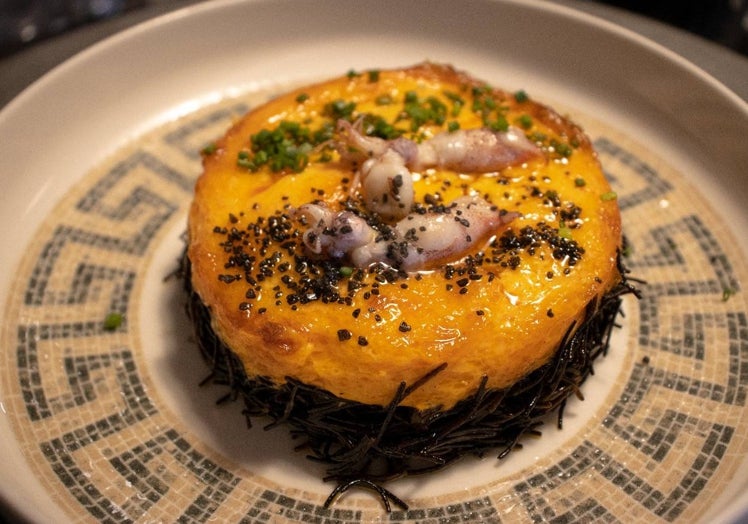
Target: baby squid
x=417 y=241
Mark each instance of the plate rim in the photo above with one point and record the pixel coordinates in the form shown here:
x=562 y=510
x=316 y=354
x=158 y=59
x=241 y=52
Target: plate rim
x=121 y=38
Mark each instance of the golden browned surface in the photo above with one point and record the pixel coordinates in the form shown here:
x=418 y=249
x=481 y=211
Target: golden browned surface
x=505 y=325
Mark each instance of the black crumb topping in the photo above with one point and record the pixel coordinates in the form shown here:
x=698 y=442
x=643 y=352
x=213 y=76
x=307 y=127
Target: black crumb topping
x=365 y=446
x=272 y=245
x=528 y=239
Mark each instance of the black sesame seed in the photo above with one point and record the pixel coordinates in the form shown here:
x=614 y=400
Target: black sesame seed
x=344 y=334
x=362 y=341
x=404 y=327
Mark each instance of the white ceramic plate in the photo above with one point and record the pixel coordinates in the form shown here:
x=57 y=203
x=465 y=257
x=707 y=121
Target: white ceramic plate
x=98 y=161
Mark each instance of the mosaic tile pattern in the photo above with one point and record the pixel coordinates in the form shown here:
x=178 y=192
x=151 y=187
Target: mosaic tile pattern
x=108 y=449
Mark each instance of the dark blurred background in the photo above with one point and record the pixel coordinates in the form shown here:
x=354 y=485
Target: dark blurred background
x=722 y=21
x=24 y=22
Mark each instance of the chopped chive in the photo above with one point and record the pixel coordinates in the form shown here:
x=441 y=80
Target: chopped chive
x=564 y=231
x=209 y=149
x=338 y=109
x=287 y=147
x=113 y=321
x=421 y=112
x=525 y=121
x=500 y=124
x=521 y=96
x=457 y=102
x=562 y=148
x=610 y=195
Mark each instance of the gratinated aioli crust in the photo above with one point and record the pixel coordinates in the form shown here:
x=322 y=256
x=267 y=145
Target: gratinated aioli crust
x=492 y=316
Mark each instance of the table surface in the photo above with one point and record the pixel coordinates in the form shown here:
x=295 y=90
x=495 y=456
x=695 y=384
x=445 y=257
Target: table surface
x=21 y=69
